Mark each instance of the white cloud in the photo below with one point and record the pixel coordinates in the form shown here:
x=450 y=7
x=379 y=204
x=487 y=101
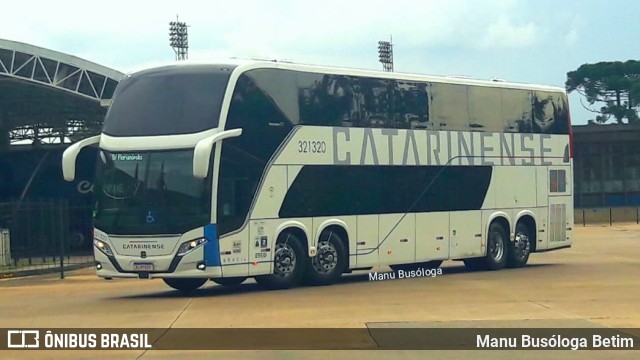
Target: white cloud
x=504 y=33
x=576 y=27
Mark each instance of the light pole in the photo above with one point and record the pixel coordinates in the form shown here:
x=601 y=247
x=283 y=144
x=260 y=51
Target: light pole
x=179 y=39
x=385 y=54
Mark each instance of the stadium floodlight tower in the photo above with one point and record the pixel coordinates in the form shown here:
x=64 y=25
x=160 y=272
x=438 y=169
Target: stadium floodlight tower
x=385 y=54
x=179 y=39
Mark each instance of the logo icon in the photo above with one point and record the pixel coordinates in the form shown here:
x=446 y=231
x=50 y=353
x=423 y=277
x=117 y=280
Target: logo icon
x=150 y=218
x=23 y=339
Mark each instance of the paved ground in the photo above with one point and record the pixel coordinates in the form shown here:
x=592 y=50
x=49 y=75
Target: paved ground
x=593 y=284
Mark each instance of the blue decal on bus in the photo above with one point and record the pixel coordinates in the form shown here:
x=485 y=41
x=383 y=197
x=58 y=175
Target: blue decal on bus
x=212 y=247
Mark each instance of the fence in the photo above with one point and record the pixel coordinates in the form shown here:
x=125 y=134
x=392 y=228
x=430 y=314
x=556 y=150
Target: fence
x=44 y=236
x=604 y=216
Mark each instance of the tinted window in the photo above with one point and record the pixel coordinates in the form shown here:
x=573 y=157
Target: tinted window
x=338 y=100
x=166 y=101
x=485 y=106
x=357 y=190
x=550 y=113
x=150 y=193
x=239 y=177
x=342 y=100
x=257 y=109
x=516 y=111
x=449 y=110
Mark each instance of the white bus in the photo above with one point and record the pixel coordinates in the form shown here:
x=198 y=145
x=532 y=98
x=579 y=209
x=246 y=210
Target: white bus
x=292 y=173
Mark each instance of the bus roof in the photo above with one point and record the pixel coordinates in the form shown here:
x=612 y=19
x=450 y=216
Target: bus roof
x=242 y=65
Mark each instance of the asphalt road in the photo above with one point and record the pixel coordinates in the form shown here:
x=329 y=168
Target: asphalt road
x=593 y=284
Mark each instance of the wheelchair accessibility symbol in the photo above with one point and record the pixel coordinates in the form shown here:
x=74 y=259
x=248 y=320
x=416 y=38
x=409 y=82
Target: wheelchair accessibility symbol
x=150 y=218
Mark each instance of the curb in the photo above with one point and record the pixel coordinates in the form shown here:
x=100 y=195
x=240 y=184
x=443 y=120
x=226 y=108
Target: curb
x=42 y=271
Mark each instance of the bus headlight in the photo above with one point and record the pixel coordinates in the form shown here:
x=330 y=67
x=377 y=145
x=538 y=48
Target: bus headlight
x=102 y=246
x=190 y=245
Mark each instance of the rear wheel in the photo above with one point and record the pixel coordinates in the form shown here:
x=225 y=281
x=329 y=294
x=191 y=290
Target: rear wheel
x=497 y=243
x=520 y=247
x=330 y=262
x=289 y=264
x=230 y=281
x=185 y=284
x=496 y=256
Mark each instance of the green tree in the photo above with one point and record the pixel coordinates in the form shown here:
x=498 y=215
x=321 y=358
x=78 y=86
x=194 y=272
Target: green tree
x=616 y=84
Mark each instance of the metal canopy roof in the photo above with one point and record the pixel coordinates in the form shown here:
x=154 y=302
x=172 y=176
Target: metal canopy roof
x=48 y=96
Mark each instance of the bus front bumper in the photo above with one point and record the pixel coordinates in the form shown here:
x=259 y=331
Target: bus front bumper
x=190 y=265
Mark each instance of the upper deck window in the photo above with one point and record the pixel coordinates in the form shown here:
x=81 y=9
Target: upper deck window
x=167 y=101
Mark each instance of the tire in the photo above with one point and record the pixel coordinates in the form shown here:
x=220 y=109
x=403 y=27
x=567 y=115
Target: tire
x=497 y=247
x=330 y=262
x=433 y=264
x=289 y=264
x=229 y=281
x=185 y=285
x=520 y=248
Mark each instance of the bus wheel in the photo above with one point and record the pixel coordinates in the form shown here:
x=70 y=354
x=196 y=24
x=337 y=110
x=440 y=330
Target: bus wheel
x=230 y=281
x=288 y=265
x=330 y=260
x=520 y=247
x=497 y=245
x=185 y=285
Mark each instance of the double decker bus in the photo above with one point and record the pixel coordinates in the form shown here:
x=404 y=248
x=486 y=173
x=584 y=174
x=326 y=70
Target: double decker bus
x=293 y=174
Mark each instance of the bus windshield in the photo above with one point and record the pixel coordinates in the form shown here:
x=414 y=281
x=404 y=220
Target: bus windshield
x=149 y=193
x=167 y=101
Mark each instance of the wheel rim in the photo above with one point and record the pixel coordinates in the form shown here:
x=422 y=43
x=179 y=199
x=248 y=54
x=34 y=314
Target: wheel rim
x=522 y=245
x=326 y=258
x=284 y=259
x=496 y=247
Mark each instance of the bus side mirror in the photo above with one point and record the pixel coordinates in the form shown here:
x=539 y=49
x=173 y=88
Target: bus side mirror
x=202 y=151
x=71 y=154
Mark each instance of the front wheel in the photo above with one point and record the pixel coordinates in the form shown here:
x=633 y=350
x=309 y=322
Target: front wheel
x=289 y=264
x=230 y=281
x=185 y=285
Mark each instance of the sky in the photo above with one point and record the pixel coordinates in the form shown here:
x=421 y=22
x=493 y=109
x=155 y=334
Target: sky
x=535 y=41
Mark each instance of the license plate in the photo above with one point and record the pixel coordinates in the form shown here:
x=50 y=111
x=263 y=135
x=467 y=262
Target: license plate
x=143 y=267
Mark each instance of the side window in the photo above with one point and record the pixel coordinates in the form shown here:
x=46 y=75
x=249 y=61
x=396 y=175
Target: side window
x=324 y=100
x=516 y=111
x=550 y=113
x=449 y=110
x=337 y=100
x=264 y=126
x=237 y=183
x=347 y=190
x=414 y=104
x=557 y=181
x=485 y=107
